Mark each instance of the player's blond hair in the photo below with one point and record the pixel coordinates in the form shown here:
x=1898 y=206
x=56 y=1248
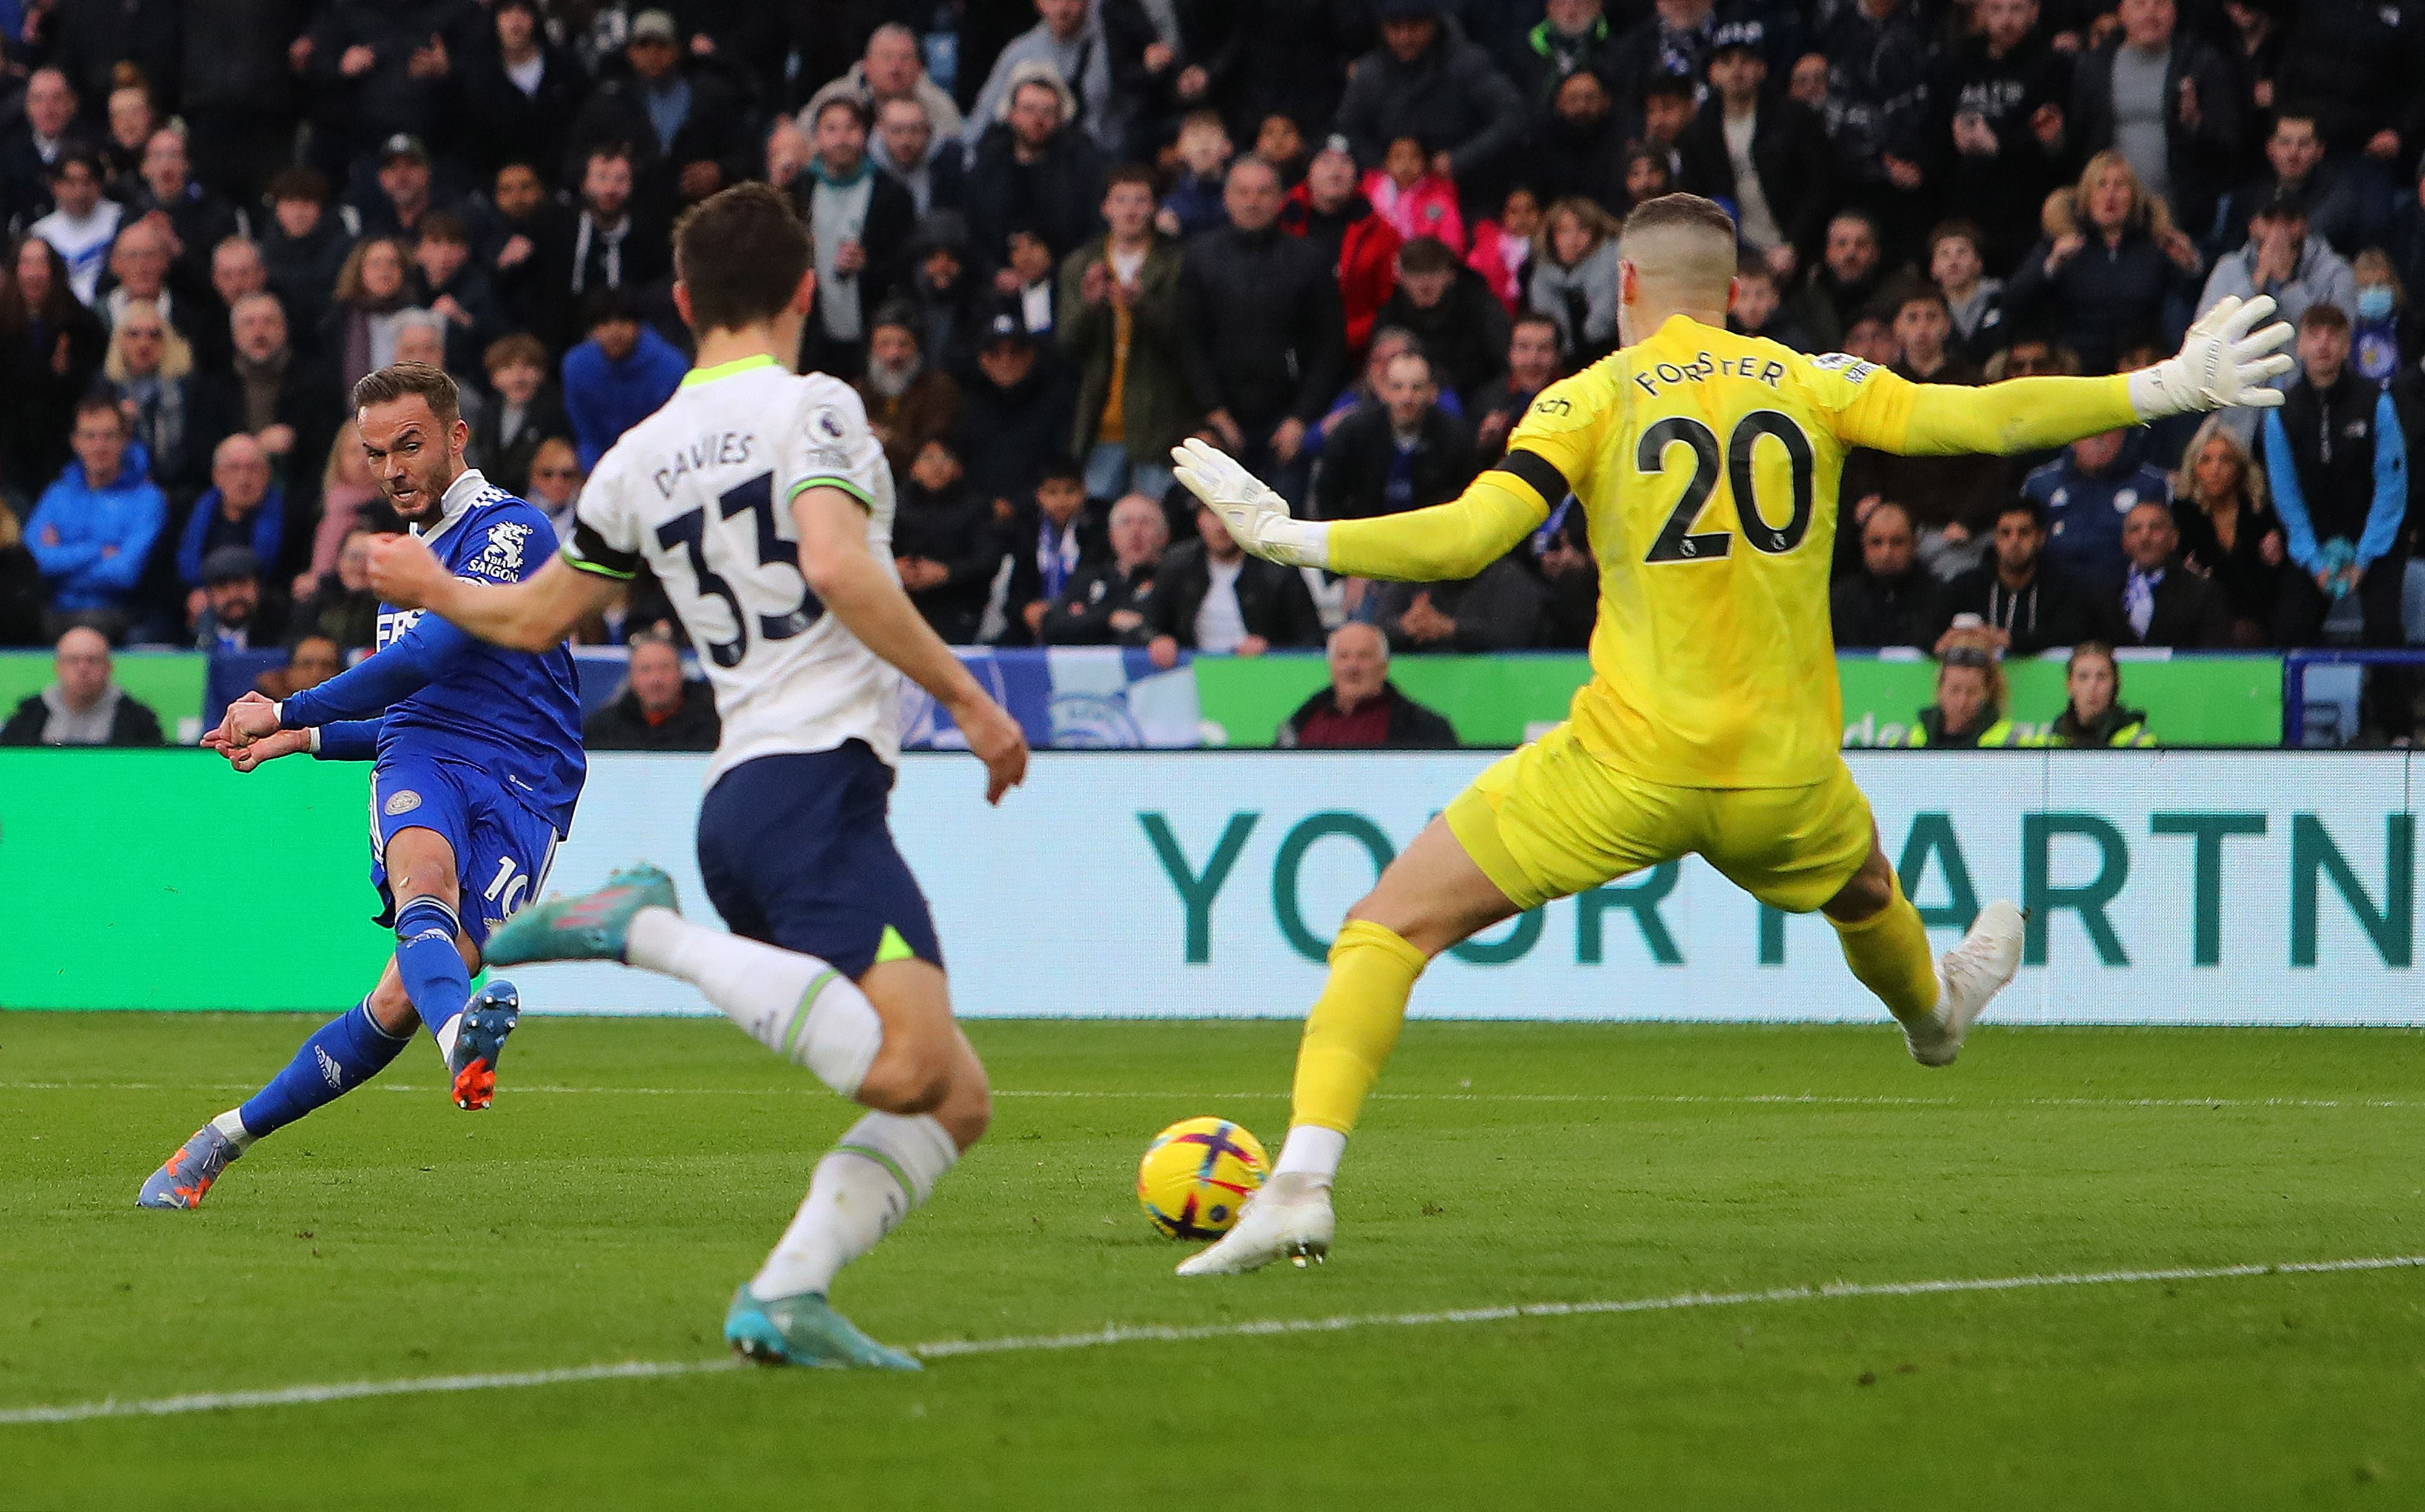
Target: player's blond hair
x=1683 y=246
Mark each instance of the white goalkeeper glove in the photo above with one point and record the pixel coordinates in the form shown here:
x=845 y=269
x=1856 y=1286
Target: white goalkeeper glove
x=1257 y=519
x=2223 y=362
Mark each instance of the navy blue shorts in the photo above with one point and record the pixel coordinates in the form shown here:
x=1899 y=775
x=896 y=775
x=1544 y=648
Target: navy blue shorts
x=796 y=852
x=502 y=849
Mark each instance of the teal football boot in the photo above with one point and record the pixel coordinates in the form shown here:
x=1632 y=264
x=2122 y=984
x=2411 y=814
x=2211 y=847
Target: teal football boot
x=593 y=927
x=804 y=1331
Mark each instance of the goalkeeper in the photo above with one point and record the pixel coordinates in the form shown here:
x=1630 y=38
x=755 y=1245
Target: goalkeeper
x=1707 y=466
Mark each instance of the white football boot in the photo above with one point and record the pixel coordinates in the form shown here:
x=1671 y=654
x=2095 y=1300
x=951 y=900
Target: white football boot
x=1290 y=1215
x=1969 y=976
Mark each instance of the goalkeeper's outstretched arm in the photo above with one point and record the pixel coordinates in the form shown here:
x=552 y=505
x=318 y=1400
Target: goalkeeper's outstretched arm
x=1442 y=543
x=2224 y=361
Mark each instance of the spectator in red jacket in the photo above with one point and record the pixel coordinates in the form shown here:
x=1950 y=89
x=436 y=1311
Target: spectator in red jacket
x=1328 y=211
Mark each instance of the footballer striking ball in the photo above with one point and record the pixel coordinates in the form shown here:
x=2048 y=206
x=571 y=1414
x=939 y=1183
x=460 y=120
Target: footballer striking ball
x=1195 y=1175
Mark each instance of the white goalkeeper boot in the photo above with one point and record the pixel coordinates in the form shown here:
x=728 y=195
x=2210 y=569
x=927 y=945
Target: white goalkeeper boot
x=1969 y=976
x=1289 y=1216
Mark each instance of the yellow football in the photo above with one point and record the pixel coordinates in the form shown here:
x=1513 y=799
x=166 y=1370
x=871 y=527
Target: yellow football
x=1196 y=1174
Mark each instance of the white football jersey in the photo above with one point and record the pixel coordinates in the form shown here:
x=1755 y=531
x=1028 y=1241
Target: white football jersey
x=702 y=491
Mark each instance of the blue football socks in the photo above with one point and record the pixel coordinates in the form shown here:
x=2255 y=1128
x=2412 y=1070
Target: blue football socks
x=342 y=1055
x=434 y=975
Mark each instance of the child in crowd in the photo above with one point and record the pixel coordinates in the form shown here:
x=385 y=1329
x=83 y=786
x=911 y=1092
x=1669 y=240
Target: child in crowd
x=1759 y=306
x=1408 y=193
x=1193 y=202
x=1574 y=277
x=1975 y=301
x=1502 y=249
x=2381 y=337
x=1280 y=143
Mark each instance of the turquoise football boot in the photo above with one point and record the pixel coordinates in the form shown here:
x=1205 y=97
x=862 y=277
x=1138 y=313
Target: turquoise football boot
x=804 y=1331
x=590 y=927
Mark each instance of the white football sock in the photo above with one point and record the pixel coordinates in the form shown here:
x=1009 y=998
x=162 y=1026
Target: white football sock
x=230 y=1125
x=884 y=1167
x=796 y=1005
x=1312 y=1151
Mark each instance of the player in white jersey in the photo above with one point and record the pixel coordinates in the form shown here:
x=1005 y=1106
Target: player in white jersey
x=764 y=506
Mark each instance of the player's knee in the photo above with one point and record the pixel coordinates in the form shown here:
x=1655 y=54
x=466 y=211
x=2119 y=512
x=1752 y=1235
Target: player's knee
x=390 y=1009
x=1871 y=889
x=908 y=1076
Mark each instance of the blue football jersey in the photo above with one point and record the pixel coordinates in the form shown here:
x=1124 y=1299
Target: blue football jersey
x=515 y=715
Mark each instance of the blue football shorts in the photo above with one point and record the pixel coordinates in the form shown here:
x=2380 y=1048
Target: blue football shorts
x=502 y=849
x=796 y=852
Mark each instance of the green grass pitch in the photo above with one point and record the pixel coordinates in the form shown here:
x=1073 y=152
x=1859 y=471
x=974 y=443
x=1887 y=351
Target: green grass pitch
x=633 y=1172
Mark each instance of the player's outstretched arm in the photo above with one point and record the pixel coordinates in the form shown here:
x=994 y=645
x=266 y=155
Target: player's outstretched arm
x=1442 y=543
x=535 y=614
x=858 y=590
x=2226 y=361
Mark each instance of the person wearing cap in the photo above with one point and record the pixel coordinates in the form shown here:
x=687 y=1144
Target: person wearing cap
x=242 y=508
x=83 y=705
x=2166 y=101
x=892 y=68
x=1428 y=81
x=1120 y=325
x=238 y=614
x=394 y=203
x=909 y=401
x=2287 y=261
x=1751 y=147
x=386 y=68
x=681 y=117
x=1328 y=211
x=1017 y=411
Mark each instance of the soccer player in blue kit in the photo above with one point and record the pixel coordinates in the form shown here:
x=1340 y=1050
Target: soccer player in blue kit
x=763 y=503
x=478 y=763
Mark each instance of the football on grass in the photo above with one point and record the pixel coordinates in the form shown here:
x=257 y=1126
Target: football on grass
x=1196 y=1174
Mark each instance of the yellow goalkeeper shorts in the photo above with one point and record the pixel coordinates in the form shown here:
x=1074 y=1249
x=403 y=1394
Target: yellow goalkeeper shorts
x=1551 y=819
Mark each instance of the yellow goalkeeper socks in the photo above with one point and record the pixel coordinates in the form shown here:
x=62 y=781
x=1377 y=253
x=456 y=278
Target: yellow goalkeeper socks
x=1353 y=1024
x=1889 y=952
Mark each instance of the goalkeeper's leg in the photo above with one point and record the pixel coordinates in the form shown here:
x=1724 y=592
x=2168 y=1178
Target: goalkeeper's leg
x=1430 y=898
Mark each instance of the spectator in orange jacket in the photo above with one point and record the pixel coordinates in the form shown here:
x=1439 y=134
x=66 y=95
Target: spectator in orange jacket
x=1328 y=210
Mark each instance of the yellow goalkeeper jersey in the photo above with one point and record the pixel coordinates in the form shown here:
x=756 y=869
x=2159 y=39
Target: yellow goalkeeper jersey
x=1707 y=465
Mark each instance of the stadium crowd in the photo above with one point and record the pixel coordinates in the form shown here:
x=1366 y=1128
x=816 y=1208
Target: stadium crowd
x=1346 y=239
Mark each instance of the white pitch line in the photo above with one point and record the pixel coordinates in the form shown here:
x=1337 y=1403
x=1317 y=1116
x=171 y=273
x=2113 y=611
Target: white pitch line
x=1677 y=1099
x=1157 y=1333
